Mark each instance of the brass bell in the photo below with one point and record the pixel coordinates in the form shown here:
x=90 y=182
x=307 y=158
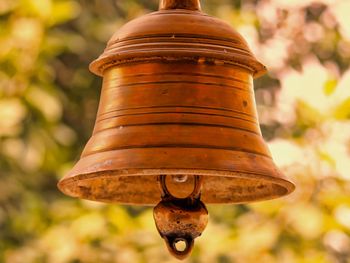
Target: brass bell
x=177 y=122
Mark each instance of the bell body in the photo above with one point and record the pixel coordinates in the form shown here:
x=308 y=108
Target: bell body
x=177 y=99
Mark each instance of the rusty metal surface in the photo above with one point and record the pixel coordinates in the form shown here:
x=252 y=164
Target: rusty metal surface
x=177 y=99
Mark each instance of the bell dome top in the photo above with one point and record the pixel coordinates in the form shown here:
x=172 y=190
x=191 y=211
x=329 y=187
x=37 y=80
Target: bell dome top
x=178 y=31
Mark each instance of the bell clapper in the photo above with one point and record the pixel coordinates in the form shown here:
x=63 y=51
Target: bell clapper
x=180 y=220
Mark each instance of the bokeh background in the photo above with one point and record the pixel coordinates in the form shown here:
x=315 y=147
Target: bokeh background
x=48 y=102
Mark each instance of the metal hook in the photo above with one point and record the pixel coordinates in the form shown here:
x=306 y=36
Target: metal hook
x=166 y=195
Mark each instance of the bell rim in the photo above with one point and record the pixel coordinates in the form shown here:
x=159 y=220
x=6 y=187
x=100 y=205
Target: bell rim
x=281 y=181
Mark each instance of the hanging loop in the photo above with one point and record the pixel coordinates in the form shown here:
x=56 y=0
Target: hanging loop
x=182 y=251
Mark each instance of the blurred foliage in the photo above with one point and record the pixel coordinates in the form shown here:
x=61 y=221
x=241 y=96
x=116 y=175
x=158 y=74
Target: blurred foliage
x=48 y=102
